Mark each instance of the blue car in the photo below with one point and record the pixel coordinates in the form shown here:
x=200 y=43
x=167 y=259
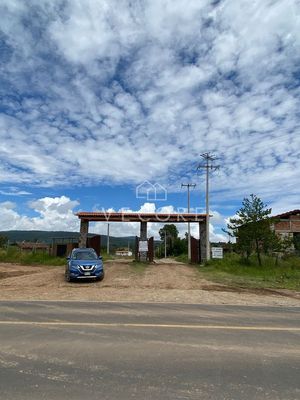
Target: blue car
x=83 y=263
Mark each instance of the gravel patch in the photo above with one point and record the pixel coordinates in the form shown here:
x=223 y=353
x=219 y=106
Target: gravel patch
x=160 y=282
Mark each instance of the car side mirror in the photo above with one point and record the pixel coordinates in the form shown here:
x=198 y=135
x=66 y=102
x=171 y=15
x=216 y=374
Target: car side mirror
x=100 y=257
x=68 y=258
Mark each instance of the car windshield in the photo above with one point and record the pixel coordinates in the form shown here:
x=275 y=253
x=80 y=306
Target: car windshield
x=85 y=255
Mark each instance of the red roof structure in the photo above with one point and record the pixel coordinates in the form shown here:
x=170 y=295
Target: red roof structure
x=288 y=214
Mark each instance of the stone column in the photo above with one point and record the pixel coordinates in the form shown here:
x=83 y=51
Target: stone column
x=84 y=230
x=143 y=237
x=202 y=237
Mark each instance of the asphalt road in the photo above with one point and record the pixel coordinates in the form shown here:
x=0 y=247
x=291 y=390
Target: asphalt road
x=76 y=350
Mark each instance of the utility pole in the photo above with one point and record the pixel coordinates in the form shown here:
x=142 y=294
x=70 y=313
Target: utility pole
x=165 y=243
x=107 y=241
x=208 y=166
x=189 y=185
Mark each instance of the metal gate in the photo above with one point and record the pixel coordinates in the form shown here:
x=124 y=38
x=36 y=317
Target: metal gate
x=195 y=250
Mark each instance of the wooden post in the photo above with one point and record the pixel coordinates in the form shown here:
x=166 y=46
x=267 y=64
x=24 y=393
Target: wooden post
x=151 y=249
x=136 y=250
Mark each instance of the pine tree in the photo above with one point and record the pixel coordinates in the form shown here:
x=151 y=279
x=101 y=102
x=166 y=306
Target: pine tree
x=252 y=226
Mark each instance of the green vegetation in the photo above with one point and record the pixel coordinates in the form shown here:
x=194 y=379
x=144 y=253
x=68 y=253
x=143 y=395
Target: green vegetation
x=175 y=245
x=263 y=259
x=183 y=258
x=106 y=256
x=296 y=243
x=138 y=266
x=14 y=255
x=233 y=272
x=252 y=229
x=3 y=241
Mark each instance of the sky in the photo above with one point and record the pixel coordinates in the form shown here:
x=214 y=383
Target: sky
x=98 y=97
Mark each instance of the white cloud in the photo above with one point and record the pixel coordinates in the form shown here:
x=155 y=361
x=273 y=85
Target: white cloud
x=12 y=191
x=57 y=213
x=147 y=208
x=123 y=92
x=53 y=214
x=57 y=205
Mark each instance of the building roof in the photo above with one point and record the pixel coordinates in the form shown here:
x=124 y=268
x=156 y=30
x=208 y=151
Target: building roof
x=288 y=214
x=140 y=217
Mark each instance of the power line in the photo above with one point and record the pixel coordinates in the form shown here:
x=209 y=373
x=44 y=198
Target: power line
x=189 y=185
x=208 y=166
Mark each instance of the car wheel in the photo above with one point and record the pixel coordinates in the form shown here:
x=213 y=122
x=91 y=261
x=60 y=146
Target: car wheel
x=100 y=278
x=68 y=278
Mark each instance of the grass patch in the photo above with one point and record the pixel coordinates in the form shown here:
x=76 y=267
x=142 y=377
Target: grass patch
x=106 y=257
x=183 y=258
x=232 y=272
x=138 y=266
x=14 y=255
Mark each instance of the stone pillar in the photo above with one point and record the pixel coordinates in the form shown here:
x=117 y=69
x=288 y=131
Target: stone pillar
x=84 y=230
x=143 y=237
x=202 y=237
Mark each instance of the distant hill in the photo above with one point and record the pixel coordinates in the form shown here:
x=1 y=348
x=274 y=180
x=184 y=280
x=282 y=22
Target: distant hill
x=47 y=236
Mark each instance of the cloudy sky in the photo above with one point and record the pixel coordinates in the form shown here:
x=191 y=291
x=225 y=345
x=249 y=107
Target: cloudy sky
x=98 y=96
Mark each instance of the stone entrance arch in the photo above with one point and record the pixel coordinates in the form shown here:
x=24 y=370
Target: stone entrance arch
x=143 y=219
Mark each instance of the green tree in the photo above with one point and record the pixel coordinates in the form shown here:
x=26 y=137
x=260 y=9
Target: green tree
x=278 y=245
x=3 y=241
x=171 y=233
x=296 y=241
x=252 y=227
x=180 y=246
x=170 y=230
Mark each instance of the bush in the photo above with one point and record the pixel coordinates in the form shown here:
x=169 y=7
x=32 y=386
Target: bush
x=15 y=255
x=235 y=271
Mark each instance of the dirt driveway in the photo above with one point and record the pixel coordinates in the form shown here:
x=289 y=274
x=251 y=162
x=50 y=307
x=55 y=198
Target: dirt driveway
x=163 y=282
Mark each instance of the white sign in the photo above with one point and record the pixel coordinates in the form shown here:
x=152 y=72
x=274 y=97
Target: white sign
x=143 y=246
x=217 y=252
